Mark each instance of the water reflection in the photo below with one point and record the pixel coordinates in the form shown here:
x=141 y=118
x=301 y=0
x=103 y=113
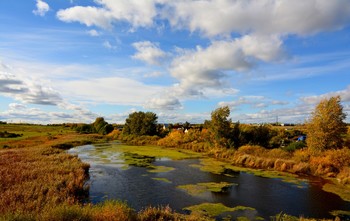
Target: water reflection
x=109 y=179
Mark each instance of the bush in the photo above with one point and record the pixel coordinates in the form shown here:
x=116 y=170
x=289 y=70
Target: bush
x=294 y=146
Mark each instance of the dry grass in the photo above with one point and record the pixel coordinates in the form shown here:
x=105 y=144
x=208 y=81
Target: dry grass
x=35 y=176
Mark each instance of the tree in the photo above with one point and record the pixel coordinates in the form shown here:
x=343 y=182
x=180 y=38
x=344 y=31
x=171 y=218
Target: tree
x=99 y=126
x=220 y=126
x=326 y=127
x=141 y=123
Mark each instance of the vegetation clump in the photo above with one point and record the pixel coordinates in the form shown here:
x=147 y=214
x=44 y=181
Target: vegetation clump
x=197 y=189
x=100 y=126
x=215 y=209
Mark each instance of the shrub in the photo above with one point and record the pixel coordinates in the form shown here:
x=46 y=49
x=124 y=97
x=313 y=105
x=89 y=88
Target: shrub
x=294 y=146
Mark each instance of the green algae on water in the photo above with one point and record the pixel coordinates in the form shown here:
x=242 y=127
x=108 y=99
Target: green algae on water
x=197 y=189
x=218 y=167
x=158 y=152
x=161 y=169
x=215 y=209
x=341 y=190
x=162 y=179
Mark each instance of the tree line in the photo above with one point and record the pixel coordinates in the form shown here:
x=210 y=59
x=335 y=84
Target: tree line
x=325 y=129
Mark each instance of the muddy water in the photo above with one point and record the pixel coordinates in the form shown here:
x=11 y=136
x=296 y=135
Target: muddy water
x=112 y=178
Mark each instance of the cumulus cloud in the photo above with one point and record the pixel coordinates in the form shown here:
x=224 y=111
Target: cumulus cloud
x=315 y=99
x=27 y=91
x=261 y=16
x=204 y=68
x=259 y=27
x=148 y=52
x=41 y=8
x=137 y=13
x=165 y=103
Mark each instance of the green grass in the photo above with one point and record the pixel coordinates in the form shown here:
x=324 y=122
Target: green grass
x=29 y=131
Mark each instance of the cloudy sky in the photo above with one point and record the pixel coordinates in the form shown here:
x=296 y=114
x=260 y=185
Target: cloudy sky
x=75 y=60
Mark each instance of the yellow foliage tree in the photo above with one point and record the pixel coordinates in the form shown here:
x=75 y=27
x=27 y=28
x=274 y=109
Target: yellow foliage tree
x=326 y=126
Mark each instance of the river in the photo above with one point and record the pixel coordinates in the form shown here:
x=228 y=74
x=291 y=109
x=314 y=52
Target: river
x=112 y=176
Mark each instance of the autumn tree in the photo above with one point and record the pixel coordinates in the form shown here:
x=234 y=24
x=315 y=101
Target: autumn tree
x=326 y=126
x=220 y=126
x=141 y=123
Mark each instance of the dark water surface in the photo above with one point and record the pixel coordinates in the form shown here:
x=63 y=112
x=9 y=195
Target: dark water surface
x=110 y=180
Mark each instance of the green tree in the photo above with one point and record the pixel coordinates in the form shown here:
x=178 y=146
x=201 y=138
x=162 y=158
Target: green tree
x=326 y=126
x=141 y=123
x=220 y=126
x=99 y=126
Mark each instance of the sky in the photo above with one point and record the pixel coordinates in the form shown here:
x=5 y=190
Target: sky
x=76 y=60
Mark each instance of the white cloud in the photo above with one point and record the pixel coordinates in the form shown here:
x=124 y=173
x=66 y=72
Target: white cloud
x=315 y=99
x=165 y=103
x=108 y=45
x=17 y=106
x=148 y=52
x=154 y=74
x=111 y=90
x=222 y=17
x=137 y=13
x=41 y=8
x=27 y=90
x=253 y=101
x=93 y=33
x=208 y=68
x=21 y=113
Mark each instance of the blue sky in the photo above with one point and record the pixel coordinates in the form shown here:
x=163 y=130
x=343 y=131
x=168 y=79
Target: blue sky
x=73 y=60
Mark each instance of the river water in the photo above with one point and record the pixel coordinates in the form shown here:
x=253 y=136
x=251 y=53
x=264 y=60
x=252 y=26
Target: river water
x=111 y=179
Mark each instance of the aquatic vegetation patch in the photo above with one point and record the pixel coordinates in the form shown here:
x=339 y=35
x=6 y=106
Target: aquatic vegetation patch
x=158 y=152
x=221 y=187
x=227 y=169
x=193 y=189
x=137 y=160
x=161 y=169
x=197 y=189
x=341 y=214
x=211 y=166
x=341 y=190
x=215 y=209
x=162 y=179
